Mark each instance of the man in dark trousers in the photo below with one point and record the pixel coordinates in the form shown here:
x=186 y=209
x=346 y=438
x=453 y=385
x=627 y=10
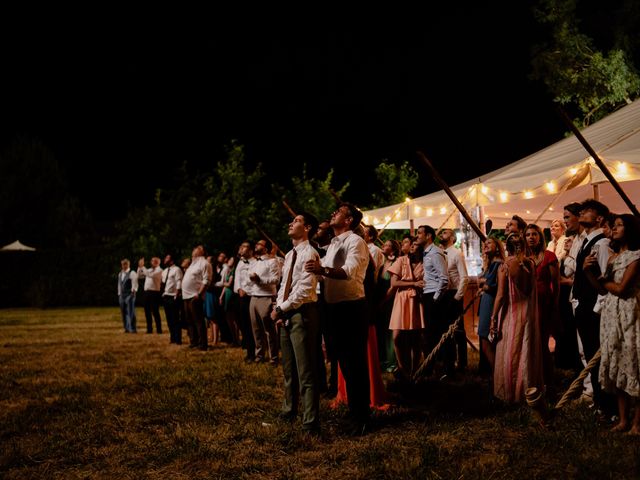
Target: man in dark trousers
x=343 y=269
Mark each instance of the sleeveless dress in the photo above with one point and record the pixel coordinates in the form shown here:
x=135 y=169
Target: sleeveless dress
x=620 y=333
x=407 y=311
x=518 y=361
x=485 y=309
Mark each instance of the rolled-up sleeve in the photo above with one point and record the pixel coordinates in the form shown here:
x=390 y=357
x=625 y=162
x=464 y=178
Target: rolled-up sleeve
x=134 y=281
x=357 y=257
x=304 y=288
x=271 y=274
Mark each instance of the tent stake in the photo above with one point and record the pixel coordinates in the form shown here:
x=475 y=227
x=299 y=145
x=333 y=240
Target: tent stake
x=598 y=161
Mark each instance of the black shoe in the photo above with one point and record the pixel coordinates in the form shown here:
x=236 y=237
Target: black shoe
x=288 y=417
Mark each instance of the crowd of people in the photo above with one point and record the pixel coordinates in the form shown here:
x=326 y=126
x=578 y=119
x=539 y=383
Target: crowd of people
x=338 y=300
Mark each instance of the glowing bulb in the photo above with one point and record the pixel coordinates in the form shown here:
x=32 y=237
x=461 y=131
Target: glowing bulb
x=416 y=209
x=366 y=219
x=504 y=197
x=551 y=208
x=443 y=210
x=376 y=221
x=398 y=213
x=387 y=218
x=551 y=187
x=506 y=214
x=407 y=199
x=528 y=211
x=591 y=161
x=528 y=194
x=573 y=171
x=484 y=189
x=622 y=169
x=429 y=212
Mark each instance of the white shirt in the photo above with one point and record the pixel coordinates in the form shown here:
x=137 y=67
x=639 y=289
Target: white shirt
x=241 y=277
x=152 y=278
x=172 y=279
x=268 y=270
x=197 y=275
x=303 y=284
x=601 y=247
x=457 y=270
x=122 y=277
x=570 y=259
x=377 y=255
x=349 y=252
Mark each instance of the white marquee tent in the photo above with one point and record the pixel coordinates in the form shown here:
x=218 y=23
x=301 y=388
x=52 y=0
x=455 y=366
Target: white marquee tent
x=17 y=247
x=538 y=185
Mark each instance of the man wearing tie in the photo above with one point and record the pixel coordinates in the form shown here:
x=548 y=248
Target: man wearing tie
x=296 y=315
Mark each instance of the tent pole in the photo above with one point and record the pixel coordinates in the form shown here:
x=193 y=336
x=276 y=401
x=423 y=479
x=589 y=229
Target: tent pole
x=596 y=191
x=436 y=176
x=599 y=162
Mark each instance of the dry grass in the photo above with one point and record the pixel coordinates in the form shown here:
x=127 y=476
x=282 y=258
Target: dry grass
x=79 y=399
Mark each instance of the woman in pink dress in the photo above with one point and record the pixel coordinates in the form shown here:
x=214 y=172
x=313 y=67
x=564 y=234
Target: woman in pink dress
x=515 y=326
x=548 y=284
x=407 y=318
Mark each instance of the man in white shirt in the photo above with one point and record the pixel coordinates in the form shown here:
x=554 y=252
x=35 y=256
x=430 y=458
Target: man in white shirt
x=585 y=295
x=127 y=288
x=172 y=281
x=296 y=314
x=264 y=274
x=242 y=288
x=152 y=283
x=370 y=236
x=194 y=286
x=458 y=281
x=344 y=268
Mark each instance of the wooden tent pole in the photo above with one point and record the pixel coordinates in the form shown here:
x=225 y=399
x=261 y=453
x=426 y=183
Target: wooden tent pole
x=445 y=187
x=599 y=162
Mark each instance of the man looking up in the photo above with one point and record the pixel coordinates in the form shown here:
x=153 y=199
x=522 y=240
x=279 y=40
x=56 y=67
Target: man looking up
x=296 y=314
x=343 y=268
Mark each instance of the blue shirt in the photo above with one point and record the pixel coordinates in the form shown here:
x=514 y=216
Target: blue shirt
x=436 y=278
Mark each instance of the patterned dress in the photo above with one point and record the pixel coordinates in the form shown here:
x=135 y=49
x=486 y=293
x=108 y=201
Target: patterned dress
x=620 y=332
x=518 y=363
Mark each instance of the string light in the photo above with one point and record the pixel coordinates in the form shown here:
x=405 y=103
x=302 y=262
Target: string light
x=443 y=210
x=366 y=219
x=398 y=214
x=504 y=196
x=573 y=171
x=407 y=199
x=416 y=209
x=387 y=218
x=376 y=221
x=528 y=194
x=484 y=189
x=621 y=170
x=429 y=212
x=551 y=187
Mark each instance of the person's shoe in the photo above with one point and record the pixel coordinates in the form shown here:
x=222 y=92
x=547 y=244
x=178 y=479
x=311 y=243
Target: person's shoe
x=274 y=363
x=288 y=417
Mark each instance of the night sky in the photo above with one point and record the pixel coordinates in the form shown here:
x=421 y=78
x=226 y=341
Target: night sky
x=125 y=100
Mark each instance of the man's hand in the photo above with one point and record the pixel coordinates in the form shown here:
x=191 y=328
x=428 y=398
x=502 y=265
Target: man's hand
x=313 y=266
x=241 y=292
x=254 y=277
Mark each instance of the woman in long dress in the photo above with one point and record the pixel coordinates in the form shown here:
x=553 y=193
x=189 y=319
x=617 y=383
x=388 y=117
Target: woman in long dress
x=515 y=325
x=620 y=318
x=548 y=286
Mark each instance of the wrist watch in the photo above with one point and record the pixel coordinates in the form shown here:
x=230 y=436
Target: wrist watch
x=325 y=271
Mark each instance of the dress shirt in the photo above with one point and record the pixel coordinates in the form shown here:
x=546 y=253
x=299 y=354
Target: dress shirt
x=241 y=277
x=172 y=279
x=457 y=270
x=570 y=259
x=436 y=278
x=268 y=269
x=122 y=277
x=198 y=274
x=152 y=278
x=303 y=284
x=377 y=255
x=349 y=252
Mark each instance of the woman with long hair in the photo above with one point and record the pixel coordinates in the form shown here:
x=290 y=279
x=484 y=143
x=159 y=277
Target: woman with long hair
x=548 y=283
x=620 y=318
x=385 y=295
x=492 y=258
x=515 y=326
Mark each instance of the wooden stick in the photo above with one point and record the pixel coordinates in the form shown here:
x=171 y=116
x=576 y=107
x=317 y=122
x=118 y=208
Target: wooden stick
x=445 y=187
x=599 y=162
x=286 y=205
x=262 y=232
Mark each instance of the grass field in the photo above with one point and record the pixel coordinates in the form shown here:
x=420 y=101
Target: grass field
x=80 y=399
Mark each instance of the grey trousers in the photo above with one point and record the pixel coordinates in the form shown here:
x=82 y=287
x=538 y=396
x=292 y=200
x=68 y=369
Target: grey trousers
x=264 y=330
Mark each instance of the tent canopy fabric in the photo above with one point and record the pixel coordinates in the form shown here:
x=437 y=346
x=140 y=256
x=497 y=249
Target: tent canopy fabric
x=538 y=185
x=17 y=247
